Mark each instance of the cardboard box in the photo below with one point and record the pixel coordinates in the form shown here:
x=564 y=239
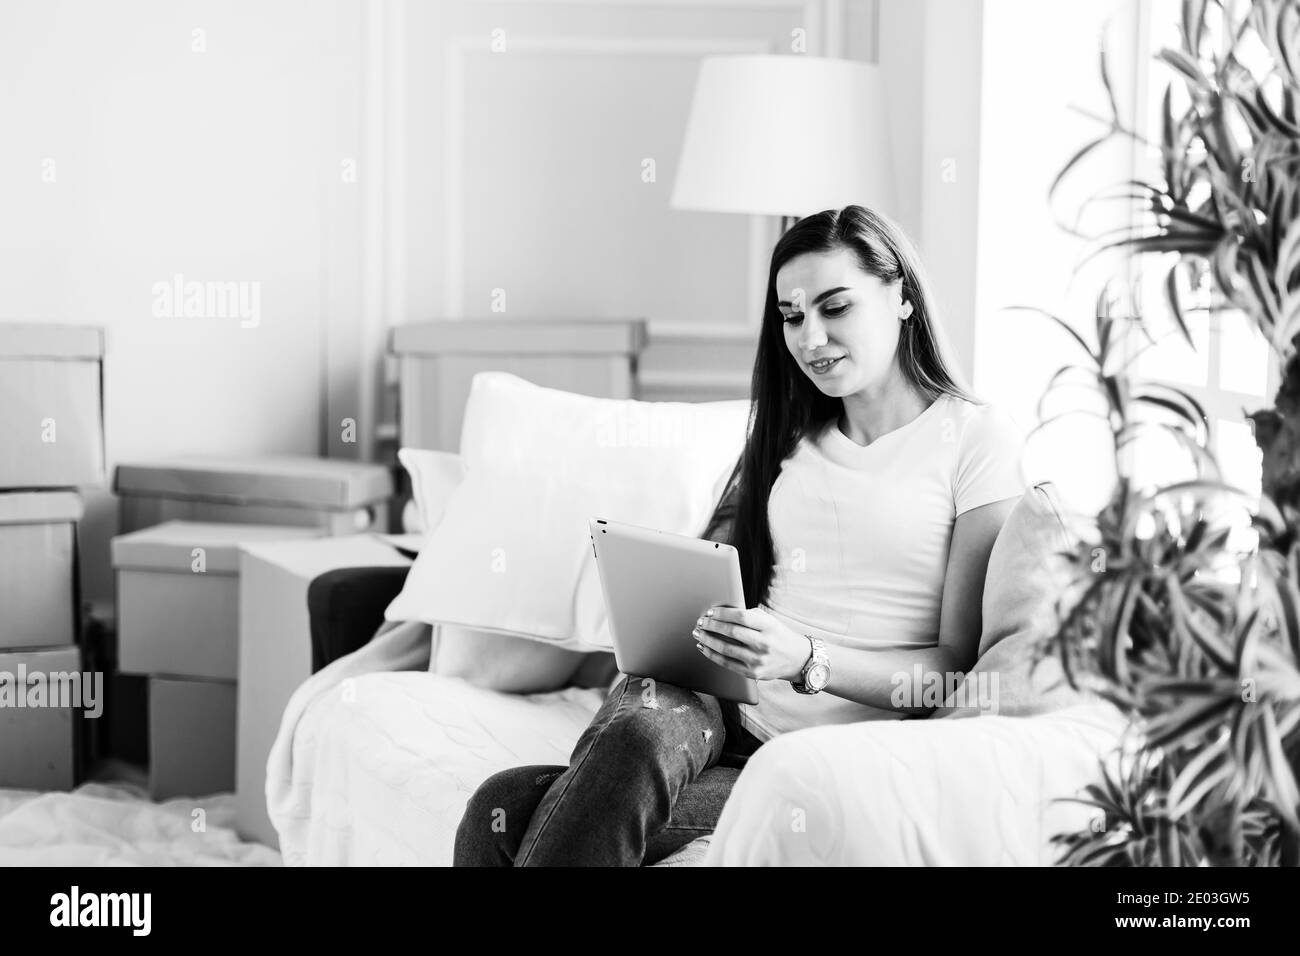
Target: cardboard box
x=191 y=737
x=178 y=596
x=338 y=497
x=51 y=406
x=39 y=727
x=438 y=360
x=275 y=650
x=122 y=731
x=38 y=596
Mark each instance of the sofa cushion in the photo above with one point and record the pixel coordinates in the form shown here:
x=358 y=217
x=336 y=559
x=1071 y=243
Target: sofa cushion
x=1027 y=572
x=512 y=553
x=491 y=661
x=434 y=476
x=502 y=662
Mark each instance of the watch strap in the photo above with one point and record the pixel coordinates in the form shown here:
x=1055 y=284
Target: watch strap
x=816 y=655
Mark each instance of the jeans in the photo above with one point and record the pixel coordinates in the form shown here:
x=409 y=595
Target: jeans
x=649 y=774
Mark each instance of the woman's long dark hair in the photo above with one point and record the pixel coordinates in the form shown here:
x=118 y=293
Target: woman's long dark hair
x=785 y=405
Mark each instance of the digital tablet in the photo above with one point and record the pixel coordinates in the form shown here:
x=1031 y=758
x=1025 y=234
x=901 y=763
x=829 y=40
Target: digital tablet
x=656 y=586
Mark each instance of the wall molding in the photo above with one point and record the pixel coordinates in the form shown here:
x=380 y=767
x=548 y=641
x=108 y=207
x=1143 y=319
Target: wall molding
x=356 y=342
x=456 y=51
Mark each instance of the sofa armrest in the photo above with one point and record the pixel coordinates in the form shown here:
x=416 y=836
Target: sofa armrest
x=985 y=791
x=346 y=607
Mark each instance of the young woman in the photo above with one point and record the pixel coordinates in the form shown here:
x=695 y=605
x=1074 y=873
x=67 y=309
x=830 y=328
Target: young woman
x=864 y=507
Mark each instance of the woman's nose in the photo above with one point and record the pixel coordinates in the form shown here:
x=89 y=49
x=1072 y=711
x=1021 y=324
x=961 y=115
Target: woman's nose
x=812 y=335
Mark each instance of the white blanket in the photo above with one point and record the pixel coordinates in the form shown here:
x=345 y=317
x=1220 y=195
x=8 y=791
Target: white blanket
x=376 y=758
x=102 y=824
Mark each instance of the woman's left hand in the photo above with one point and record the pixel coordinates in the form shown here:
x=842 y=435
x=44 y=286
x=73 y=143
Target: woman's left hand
x=750 y=641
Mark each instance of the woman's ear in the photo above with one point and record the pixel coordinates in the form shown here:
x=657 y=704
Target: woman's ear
x=906 y=312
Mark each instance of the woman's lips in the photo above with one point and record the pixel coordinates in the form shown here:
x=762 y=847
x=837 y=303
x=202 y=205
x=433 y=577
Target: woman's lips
x=823 y=369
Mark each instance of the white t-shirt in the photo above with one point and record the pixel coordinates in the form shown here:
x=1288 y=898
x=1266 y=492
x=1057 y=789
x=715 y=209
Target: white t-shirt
x=861 y=535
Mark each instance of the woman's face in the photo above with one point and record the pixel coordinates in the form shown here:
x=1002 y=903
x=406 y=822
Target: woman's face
x=835 y=310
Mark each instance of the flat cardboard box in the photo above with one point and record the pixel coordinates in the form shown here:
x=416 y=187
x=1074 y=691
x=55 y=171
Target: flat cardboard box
x=275 y=649
x=39 y=745
x=336 y=496
x=438 y=360
x=191 y=737
x=51 y=406
x=178 y=596
x=38 y=594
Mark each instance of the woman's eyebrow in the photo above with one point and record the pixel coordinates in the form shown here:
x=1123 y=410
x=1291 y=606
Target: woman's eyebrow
x=825 y=295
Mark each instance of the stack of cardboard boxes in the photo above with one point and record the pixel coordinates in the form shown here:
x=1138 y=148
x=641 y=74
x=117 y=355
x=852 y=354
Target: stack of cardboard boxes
x=178 y=594
x=51 y=444
x=177 y=562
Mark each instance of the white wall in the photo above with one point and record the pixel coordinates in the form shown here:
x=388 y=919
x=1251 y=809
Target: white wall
x=522 y=170
x=1040 y=63
x=221 y=165
x=475 y=171
x=932 y=56
x=472 y=171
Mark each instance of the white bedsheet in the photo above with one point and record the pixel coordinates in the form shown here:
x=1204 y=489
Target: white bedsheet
x=377 y=758
x=117 y=825
x=977 y=791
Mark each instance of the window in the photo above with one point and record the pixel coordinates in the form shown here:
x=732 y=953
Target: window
x=1232 y=370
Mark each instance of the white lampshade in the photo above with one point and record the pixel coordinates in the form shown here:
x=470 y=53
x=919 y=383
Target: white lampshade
x=786 y=136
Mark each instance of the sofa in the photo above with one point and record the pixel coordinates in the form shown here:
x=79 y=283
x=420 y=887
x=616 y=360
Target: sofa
x=377 y=756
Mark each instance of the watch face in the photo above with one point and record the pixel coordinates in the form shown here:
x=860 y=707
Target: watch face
x=818 y=675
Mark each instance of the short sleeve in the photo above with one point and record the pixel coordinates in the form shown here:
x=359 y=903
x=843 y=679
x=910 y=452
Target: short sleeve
x=989 y=459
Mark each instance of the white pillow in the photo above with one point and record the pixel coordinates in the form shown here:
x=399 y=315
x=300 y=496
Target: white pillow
x=434 y=476
x=512 y=554
x=493 y=661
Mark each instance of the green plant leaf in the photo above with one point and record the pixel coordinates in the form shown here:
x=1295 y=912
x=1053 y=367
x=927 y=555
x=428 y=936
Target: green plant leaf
x=1175 y=400
x=1073 y=161
x=1289 y=597
x=1206 y=770
x=1282 y=777
x=1187 y=627
x=1107 y=84
x=1176 y=305
x=1193 y=25
x=1083 y=344
x=1186 y=67
x=1188 y=723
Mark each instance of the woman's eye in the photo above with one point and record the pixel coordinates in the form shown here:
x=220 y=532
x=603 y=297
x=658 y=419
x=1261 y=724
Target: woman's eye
x=835 y=310
x=794 y=318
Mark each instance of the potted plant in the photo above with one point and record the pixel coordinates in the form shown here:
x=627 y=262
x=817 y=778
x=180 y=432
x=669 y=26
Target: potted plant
x=1194 y=637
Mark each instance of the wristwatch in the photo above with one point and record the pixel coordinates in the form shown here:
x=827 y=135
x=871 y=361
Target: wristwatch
x=816 y=672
